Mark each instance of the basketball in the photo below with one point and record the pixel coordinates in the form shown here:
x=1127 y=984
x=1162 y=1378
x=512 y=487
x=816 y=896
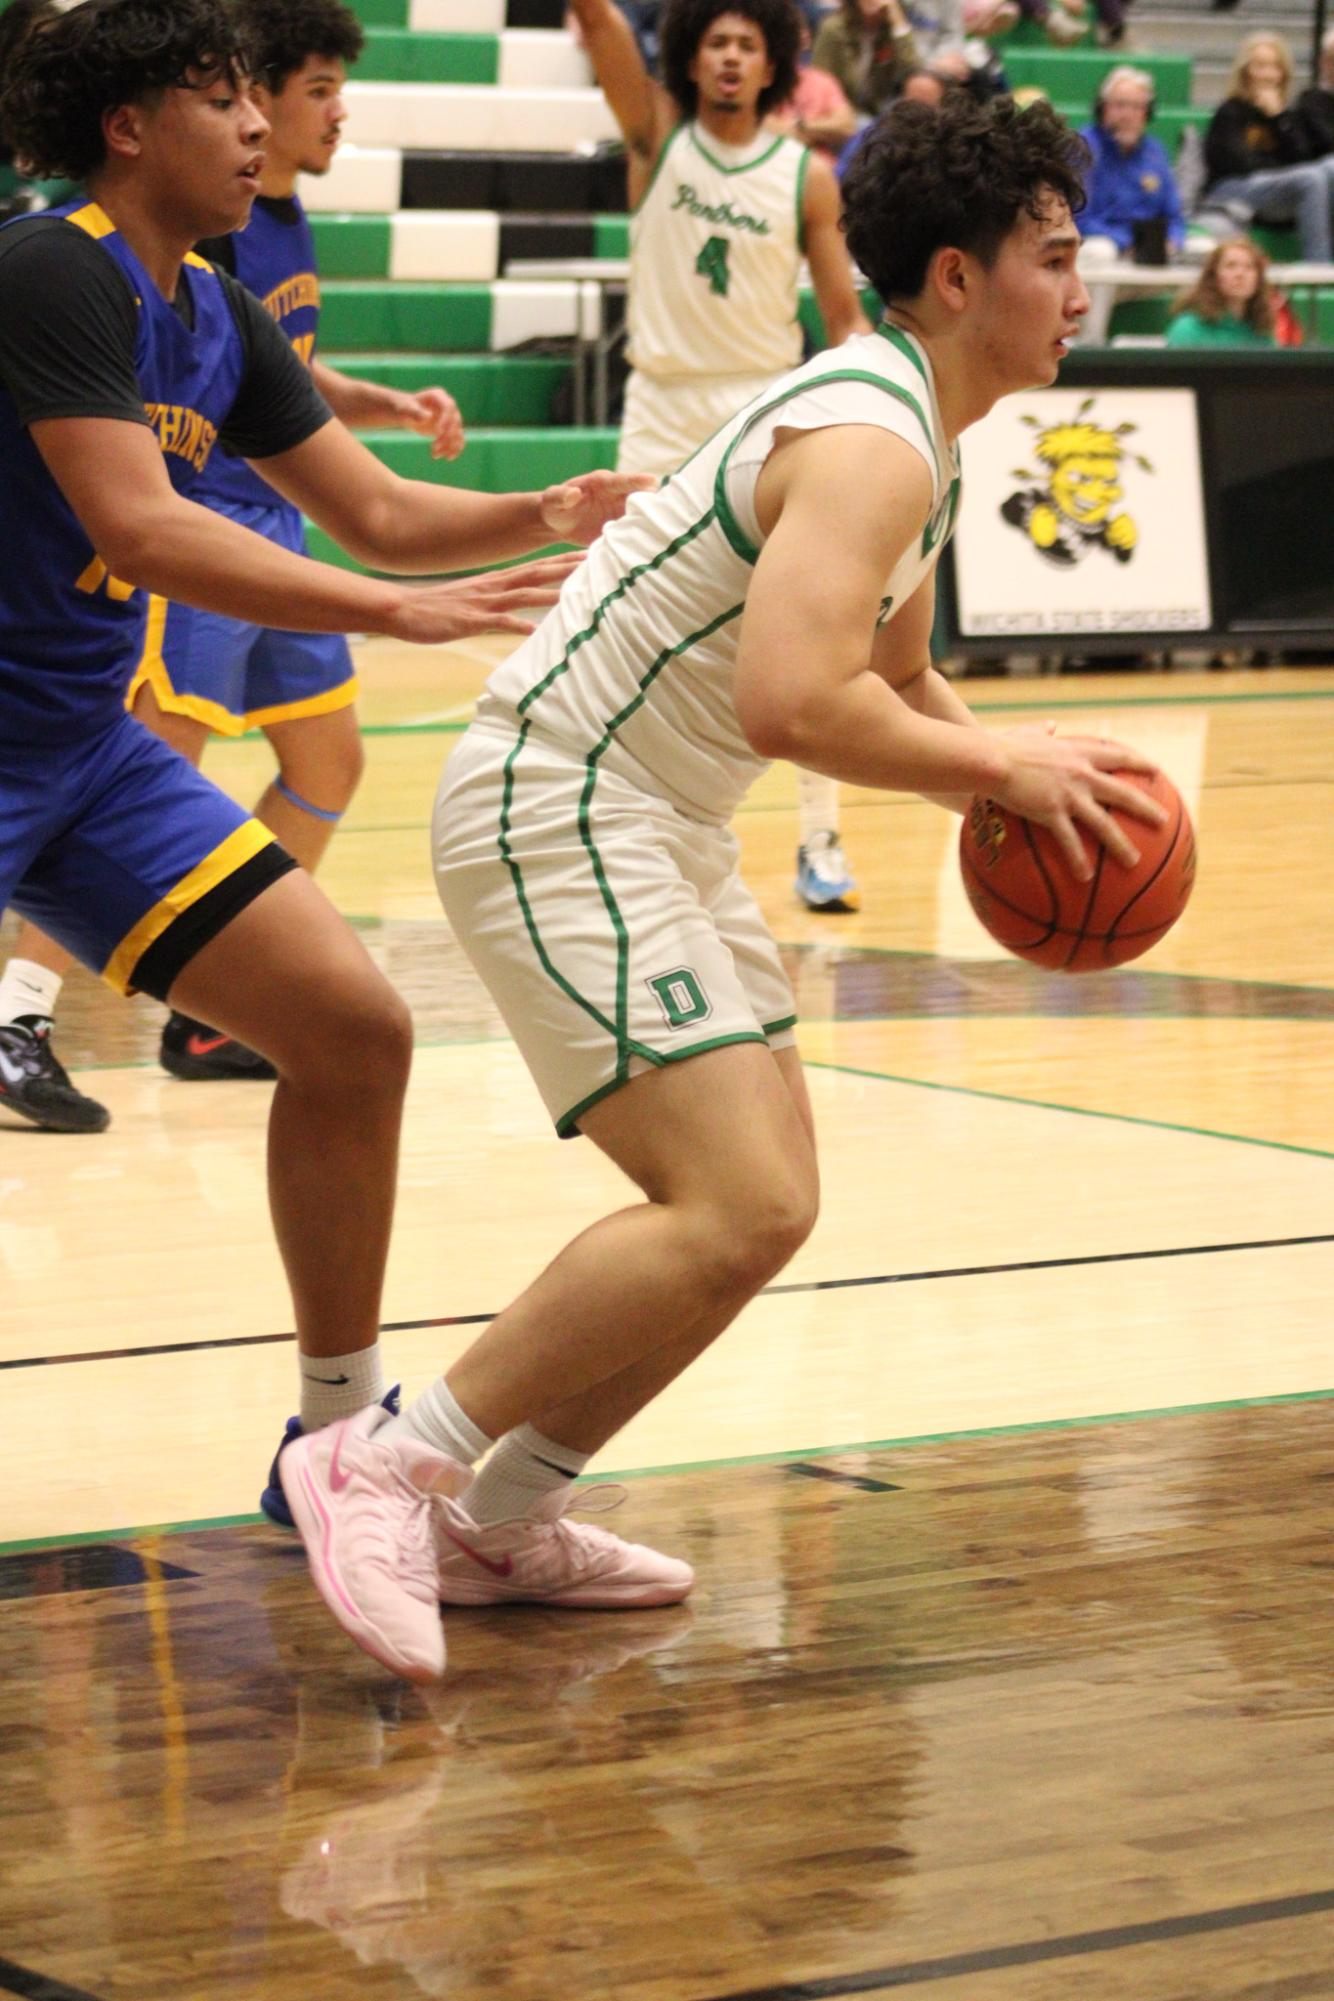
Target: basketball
x=1020 y=886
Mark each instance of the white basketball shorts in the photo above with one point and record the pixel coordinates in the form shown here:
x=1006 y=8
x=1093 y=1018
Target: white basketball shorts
x=614 y=934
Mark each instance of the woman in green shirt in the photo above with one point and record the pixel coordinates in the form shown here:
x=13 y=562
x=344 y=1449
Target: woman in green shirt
x=1231 y=304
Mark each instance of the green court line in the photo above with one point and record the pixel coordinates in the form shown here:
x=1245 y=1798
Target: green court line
x=779 y=1458
x=980 y=708
x=86 y=1536
x=1158 y=701
x=1076 y=1111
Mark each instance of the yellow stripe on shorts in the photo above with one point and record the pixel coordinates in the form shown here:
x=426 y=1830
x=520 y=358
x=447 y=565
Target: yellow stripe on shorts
x=238 y=848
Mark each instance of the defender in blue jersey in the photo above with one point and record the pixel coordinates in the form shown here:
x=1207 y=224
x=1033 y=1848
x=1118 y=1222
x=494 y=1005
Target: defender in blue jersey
x=202 y=672
x=125 y=361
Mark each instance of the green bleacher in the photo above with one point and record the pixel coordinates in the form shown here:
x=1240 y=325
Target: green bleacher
x=398 y=55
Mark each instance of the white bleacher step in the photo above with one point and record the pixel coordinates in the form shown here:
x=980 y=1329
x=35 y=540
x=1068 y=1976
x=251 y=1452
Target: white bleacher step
x=363 y=180
x=542 y=59
x=457 y=17
x=476 y=117
x=457 y=244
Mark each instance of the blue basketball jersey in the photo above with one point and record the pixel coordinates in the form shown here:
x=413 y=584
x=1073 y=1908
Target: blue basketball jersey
x=274 y=257
x=70 y=632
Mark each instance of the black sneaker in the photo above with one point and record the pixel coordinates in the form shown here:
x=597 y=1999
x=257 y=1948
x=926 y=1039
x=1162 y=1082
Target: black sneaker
x=199 y=1054
x=35 y=1085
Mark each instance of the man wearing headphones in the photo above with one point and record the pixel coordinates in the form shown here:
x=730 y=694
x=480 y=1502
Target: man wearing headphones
x=1129 y=186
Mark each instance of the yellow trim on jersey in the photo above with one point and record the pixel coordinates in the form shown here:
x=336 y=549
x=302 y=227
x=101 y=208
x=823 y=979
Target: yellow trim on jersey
x=341 y=697
x=239 y=847
x=200 y=263
x=93 y=221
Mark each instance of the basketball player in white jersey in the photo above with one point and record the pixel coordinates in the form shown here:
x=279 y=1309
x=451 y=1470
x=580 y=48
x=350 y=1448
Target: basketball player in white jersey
x=774 y=598
x=723 y=211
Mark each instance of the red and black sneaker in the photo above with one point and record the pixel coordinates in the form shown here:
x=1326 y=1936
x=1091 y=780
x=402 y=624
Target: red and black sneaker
x=35 y=1084
x=200 y=1054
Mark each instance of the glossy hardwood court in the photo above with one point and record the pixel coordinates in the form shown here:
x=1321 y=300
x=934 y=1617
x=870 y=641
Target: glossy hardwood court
x=1007 y=1674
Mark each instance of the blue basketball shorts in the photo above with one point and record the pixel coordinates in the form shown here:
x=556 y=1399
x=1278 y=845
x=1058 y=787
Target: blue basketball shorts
x=234 y=676
x=117 y=847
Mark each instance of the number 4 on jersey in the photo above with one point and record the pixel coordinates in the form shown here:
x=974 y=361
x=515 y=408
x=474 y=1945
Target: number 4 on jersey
x=712 y=264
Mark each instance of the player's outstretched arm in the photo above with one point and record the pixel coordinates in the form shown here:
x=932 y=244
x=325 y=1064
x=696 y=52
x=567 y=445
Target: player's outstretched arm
x=827 y=254
x=839 y=507
x=363 y=406
x=640 y=106
x=414 y=527
x=113 y=476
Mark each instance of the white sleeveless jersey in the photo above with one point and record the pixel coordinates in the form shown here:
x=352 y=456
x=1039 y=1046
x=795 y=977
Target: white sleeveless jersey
x=715 y=250
x=633 y=670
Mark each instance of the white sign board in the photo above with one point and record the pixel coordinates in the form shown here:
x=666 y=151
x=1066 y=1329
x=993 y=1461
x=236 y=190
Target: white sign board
x=1083 y=513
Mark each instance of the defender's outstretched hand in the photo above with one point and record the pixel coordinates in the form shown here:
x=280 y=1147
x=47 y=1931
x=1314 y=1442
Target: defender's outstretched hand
x=491 y=602
x=579 y=509
x=1058 y=780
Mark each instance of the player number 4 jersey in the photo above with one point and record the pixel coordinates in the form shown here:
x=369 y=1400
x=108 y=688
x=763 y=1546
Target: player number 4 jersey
x=633 y=671
x=715 y=249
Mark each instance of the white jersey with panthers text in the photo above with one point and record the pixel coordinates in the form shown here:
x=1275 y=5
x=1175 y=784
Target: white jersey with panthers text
x=633 y=671
x=715 y=249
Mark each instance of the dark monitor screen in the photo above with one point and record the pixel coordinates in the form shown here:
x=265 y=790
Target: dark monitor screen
x=1269 y=447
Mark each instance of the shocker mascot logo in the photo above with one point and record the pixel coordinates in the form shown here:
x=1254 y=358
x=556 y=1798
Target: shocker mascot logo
x=1074 y=504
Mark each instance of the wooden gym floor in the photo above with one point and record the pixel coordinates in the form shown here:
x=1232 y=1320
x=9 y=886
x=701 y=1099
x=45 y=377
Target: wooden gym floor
x=1007 y=1675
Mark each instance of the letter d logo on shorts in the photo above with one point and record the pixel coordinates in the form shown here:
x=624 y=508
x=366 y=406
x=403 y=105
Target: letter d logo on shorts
x=681 y=998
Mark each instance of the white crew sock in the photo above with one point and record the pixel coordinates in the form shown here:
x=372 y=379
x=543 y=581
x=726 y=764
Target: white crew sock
x=817 y=798
x=524 y=1470
x=27 y=988
x=334 y=1386
x=437 y=1419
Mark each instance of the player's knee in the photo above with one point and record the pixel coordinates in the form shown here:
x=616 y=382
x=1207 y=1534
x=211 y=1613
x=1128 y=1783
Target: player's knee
x=366 y=1031
x=330 y=783
x=751 y=1247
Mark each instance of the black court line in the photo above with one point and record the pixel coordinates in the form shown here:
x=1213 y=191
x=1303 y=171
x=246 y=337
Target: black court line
x=769 y=1292
x=38 y=1986
x=1033 y=1952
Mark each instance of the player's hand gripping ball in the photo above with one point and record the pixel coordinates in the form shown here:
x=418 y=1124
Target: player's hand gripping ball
x=1021 y=887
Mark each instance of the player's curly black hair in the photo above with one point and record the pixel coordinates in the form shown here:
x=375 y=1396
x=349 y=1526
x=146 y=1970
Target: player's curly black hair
x=956 y=175
x=16 y=20
x=280 y=34
x=78 y=65
x=684 y=24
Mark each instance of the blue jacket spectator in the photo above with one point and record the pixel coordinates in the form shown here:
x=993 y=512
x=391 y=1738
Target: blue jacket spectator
x=1130 y=179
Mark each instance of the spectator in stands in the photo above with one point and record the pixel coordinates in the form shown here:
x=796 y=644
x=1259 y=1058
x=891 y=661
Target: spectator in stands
x=1315 y=107
x=923 y=86
x=818 y=111
x=868 y=46
x=1129 y=187
x=1231 y=303
x=1258 y=151
x=1061 y=24
x=951 y=35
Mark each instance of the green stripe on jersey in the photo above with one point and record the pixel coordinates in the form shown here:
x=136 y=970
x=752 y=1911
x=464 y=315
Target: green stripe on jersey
x=628 y=581
x=731 y=527
x=898 y=339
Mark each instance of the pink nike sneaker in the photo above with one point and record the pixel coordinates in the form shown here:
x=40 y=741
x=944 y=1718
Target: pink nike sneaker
x=547 y=1559
x=361 y=1507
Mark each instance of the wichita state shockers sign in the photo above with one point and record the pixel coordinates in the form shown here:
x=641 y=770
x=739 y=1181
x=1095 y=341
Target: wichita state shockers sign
x=1083 y=513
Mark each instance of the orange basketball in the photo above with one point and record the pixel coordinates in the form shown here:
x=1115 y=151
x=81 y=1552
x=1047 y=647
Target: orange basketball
x=1020 y=884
